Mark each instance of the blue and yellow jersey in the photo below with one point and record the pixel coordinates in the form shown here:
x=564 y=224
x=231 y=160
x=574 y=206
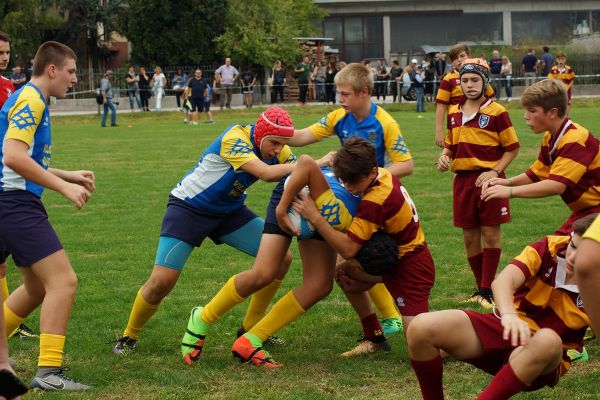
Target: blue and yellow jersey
x=337 y=205
x=379 y=128
x=25 y=117
x=217 y=183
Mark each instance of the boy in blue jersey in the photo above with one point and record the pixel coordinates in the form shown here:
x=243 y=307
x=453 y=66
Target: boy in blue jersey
x=47 y=274
x=318 y=263
x=209 y=202
x=359 y=116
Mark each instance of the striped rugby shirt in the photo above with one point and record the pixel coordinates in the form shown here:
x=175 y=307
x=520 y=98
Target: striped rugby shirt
x=479 y=141
x=545 y=300
x=386 y=205
x=566 y=76
x=573 y=158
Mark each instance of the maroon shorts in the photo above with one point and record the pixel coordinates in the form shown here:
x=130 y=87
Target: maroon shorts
x=469 y=210
x=566 y=228
x=411 y=281
x=496 y=351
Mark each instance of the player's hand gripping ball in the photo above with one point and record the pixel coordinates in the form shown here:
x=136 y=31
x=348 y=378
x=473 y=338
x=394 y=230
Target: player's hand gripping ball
x=379 y=255
x=305 y=228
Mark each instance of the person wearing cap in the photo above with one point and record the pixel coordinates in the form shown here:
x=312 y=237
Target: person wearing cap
x=480 y=144
x=209 y=202
x=450 y=91
x=107 y=95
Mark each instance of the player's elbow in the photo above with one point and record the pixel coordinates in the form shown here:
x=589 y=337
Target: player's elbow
x=12 y=160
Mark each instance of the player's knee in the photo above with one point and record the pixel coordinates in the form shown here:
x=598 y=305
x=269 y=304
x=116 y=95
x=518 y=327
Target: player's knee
x=159 y=287
x=419 y=330
x=69 y=283
x=262 y=278
x=548 y=342
x=321 y=290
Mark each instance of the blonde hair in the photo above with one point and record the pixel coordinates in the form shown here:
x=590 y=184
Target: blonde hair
x=548 y=94
x=355 y=75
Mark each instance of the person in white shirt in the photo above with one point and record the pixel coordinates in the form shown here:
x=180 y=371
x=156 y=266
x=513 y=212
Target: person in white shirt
x=158 y=84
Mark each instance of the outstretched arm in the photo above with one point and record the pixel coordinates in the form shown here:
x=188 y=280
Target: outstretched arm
x=302 y=137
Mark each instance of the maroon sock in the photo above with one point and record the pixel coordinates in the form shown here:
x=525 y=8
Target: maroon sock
x=429 y=374
x=476 y=263
x=371 y=328
x=491 y=258
x=504 y=385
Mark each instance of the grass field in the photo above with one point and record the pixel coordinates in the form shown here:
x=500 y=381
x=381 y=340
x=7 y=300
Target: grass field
x=111 y=243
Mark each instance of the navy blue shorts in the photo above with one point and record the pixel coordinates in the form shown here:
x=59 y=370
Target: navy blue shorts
x=271 y=225
x=25 y=229
x=191 y=225
x=197 y=104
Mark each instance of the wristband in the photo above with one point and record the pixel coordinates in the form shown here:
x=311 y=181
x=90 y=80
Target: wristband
x=497 y=171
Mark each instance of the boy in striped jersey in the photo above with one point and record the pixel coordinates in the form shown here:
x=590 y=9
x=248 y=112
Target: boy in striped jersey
x=450 y=91
x=385 y=206
x=524 y=342
x=481 y=142
x=568 y=162
x=563 y=73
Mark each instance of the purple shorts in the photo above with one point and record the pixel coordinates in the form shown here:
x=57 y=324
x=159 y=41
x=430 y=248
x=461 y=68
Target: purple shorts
x=25 y=229
x=191 y=224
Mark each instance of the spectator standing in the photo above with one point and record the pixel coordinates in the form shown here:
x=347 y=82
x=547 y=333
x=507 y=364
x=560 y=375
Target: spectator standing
x=179 y=80
x=28 y=70
x=563 y=73
x=420 y=88
x=107 y=97
x=278 y=82
x=381 y=79
x=319 y=80
x=330 y=73
x=496 y=72
x=227 y=76
x=506 y=73
x=546 y=61
x=528 y=67
x=395 y=73
x=248 y=79
x=132 y=80
x=196 y=92
x=158 y=86
x=439 y=63
x=18 y=78
x=144 y=86
x=302 y=73
x=429 y=80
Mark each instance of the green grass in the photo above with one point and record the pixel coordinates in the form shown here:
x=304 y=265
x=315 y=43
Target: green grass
x=111 y=243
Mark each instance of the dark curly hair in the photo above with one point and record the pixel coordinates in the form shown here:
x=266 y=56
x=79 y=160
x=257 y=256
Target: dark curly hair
x=379 y=255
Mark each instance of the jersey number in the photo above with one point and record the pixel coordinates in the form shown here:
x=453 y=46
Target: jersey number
x=410 y=203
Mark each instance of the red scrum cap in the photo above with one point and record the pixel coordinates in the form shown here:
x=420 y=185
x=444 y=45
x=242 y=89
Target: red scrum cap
x=274 y=122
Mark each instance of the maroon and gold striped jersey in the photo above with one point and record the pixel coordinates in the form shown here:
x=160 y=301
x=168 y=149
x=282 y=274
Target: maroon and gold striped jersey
x=450 y=91
x=545 y=300
x=566 y=76
x=387 y=206
x=573 y=158
x=479 y=141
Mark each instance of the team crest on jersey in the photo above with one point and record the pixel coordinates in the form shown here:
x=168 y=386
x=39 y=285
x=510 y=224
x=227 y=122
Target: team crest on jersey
x=372 y=135
x=484 y=120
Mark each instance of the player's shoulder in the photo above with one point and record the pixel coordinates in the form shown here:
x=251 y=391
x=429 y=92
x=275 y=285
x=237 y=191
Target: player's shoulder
x=384 y=117
x=453 y=109
x=450 y=76
x=494 y=108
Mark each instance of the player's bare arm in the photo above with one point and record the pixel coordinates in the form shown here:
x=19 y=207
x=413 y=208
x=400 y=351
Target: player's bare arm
x=302 y=137
x=535 y=190
x=82 y=177
x=500 y=167
x=440 y=111
x=443 y=163
x=402 y=168
x=267 y=173
x=515 y=329
x=16 y=158
x=518 y=180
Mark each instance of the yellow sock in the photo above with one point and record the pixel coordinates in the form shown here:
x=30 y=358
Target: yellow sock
x=286 y=310
x=4 y=288
x=140 y=314
x=51 y=350
x=224 y=300
x=259 y=303
x=383 y=301
x=11 y=320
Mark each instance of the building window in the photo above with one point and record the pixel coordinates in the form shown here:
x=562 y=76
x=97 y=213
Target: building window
x=356 y=37
x=552 y=26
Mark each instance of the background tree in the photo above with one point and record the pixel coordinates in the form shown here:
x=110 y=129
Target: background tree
x=262 y=31
x=173 y=33
x=29 y=23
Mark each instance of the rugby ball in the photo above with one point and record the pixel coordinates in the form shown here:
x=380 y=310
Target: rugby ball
x=305 y=229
